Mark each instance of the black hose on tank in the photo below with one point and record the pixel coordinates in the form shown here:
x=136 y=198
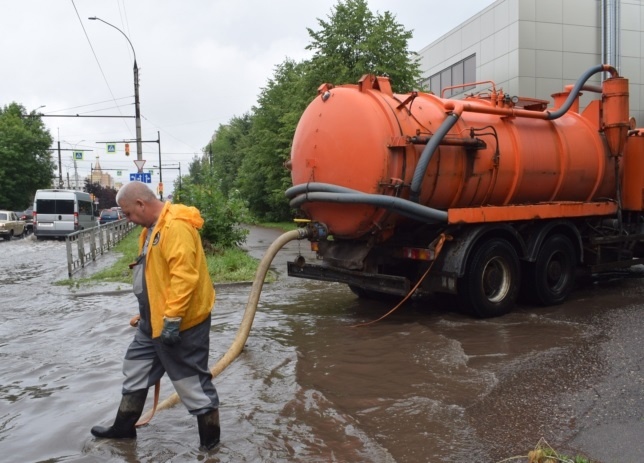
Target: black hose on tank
x=324 y=192
x=428 y=153
x=574 y=93
x=317 y=187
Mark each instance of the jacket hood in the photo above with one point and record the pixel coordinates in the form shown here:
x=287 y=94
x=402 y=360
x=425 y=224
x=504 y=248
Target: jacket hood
x=188 y=213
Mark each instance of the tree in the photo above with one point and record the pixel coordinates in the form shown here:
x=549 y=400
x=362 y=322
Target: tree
x=106 y=196
x=355 y=42
x=196 y=169
x=25 y=160
x=227 y=149
x=262 y=176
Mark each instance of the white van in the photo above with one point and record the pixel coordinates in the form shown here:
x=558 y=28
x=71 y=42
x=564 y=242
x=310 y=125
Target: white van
x=61 y=212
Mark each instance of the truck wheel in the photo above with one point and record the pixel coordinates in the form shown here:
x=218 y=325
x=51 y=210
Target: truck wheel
x=8 y=237
x=553 y=273
x=491 y=283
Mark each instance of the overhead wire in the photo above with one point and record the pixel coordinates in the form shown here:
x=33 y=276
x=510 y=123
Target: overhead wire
x=104 y=109
x=125 y=25
x=169 y=134
x=97 y=61
x=85 y=105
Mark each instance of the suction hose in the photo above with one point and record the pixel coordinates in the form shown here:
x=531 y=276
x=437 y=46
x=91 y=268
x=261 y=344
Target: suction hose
x=249 y=314
x=324 y=192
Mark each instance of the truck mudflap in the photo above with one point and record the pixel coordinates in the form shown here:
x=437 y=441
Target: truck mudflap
x=388 y=284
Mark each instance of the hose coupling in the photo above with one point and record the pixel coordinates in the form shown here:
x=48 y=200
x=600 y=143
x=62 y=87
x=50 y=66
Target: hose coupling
x=315 y=231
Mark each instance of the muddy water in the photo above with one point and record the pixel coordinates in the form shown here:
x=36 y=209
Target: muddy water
x=426 y=384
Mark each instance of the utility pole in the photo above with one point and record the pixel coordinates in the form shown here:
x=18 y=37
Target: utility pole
x=75 y=174
x=160 y=167
x=137 y=109
x=60 y=168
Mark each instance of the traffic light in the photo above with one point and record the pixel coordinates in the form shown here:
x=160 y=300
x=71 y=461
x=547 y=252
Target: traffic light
x=127 y=149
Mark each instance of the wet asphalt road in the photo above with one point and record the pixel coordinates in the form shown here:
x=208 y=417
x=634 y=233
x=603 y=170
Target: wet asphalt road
x=424 y=385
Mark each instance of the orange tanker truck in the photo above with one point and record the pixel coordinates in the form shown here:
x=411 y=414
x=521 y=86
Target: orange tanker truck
x=483 y=198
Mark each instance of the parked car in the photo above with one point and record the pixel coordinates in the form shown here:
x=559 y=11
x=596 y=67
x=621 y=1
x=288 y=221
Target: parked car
x=10 y=225
x=27 y=216
x=110 y=215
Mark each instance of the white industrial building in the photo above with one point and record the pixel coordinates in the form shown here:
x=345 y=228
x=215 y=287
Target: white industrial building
x=533 y=48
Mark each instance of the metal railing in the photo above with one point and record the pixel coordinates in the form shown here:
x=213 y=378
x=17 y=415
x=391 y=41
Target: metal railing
x=85 y=246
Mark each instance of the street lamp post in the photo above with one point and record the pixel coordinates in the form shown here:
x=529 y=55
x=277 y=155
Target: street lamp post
x=137 y=108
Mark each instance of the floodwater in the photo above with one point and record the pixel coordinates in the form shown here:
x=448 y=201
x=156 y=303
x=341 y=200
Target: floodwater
x=426 y=384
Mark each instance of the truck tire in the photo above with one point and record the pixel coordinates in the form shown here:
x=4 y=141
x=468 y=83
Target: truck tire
x=551 y=278
x=8 y=237
x=491 y=282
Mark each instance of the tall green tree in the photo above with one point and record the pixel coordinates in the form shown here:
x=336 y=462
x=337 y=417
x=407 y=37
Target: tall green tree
x=227 y=150
x=262 y=176
x=25 y=160
x=197 y=167
x=354 y=41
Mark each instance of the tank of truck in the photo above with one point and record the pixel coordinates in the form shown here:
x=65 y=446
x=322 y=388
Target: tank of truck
x=365 y=140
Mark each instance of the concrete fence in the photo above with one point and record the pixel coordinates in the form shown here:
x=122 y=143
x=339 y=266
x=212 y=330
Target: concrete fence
x=85 y=246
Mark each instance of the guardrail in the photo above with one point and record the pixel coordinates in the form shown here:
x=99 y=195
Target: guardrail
x=85 y=246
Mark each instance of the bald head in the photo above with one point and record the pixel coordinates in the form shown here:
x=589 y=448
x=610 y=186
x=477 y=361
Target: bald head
x=133 y=191
x=139 y=204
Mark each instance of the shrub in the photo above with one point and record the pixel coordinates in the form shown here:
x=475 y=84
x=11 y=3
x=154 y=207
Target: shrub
x=222 y=216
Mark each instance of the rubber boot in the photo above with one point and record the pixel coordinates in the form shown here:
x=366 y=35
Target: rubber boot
x=209 y=429
x=128 y=414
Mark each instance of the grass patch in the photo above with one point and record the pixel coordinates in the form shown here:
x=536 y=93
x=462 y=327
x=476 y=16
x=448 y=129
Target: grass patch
x=232 y=265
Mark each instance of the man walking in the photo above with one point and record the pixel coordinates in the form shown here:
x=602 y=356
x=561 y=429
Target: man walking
x=176 y=297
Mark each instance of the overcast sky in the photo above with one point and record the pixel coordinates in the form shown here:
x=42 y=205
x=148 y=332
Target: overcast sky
x=201 y=63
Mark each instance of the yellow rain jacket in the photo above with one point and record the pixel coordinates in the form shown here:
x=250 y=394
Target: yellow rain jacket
x=176 y=274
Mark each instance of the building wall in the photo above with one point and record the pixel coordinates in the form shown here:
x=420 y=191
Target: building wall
x=533 y=48
x=103 y=179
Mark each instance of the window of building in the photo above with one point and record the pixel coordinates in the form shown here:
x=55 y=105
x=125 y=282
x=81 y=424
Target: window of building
x=457 y=74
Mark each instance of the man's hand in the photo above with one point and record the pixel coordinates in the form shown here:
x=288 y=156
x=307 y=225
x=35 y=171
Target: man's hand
x=170 y=334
